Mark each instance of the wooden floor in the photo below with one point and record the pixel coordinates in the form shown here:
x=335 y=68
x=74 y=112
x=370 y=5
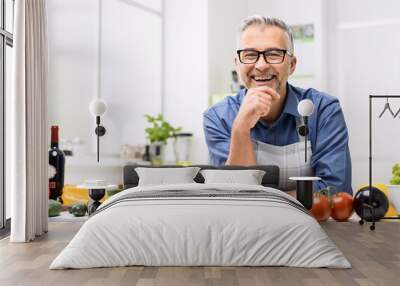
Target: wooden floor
x=375 y=257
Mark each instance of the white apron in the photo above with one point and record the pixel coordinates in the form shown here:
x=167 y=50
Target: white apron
x=289 y=159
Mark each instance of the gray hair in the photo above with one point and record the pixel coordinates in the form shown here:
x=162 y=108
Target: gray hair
x=263 y=21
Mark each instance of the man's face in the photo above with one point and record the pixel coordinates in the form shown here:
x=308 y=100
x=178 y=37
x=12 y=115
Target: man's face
x=261 y=73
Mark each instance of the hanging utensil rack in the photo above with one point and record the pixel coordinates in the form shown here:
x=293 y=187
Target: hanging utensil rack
x=370 y=205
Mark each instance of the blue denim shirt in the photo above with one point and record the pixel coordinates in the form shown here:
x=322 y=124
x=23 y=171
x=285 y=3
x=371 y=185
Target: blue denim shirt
x=328 y=134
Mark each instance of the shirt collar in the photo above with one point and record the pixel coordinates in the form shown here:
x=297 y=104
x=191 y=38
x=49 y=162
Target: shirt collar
x=291 y=102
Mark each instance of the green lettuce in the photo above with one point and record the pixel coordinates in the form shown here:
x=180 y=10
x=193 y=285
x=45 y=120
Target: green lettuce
x=396 y=175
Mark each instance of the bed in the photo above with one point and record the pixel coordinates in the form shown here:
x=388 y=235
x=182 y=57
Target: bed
x=201 y=224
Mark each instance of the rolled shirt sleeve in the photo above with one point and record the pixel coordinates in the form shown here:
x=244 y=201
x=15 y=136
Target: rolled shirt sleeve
x=217 y=138
x=331 y=156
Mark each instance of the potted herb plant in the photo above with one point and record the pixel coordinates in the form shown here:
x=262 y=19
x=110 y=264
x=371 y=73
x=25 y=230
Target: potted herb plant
x=394 y=188
x=158 y=134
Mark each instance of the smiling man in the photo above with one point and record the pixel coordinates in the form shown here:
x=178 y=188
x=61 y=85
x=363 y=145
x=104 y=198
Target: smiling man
x=260 y=125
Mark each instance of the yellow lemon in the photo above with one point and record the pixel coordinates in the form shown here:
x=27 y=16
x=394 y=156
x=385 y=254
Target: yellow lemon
x=72 y=195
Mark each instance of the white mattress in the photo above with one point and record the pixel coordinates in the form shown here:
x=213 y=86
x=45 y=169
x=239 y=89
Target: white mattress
x=202 y=231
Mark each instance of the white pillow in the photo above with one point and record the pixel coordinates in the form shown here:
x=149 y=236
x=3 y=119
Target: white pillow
x=162 y=176
x=248 y=177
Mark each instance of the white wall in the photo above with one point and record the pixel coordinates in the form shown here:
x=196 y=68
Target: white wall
x=222 y=32
x=367 y=62
x=131 y=69
x=72 y=32
x=130 y=78
x=186 y=70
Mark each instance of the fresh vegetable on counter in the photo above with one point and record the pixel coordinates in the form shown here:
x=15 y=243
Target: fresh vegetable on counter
x=327 y=203
x=396 y=175
x=54 y=208
x=78 y=209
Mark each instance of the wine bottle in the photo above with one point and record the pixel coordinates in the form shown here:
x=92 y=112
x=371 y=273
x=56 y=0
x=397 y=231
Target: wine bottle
x=57 y=164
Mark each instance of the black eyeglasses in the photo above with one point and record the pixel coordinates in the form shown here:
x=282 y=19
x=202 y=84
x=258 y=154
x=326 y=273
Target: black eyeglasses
x=271 y=56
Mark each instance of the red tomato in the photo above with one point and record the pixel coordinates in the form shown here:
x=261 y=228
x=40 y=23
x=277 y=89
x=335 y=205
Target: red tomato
x=321 y=208
x=342 y=206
